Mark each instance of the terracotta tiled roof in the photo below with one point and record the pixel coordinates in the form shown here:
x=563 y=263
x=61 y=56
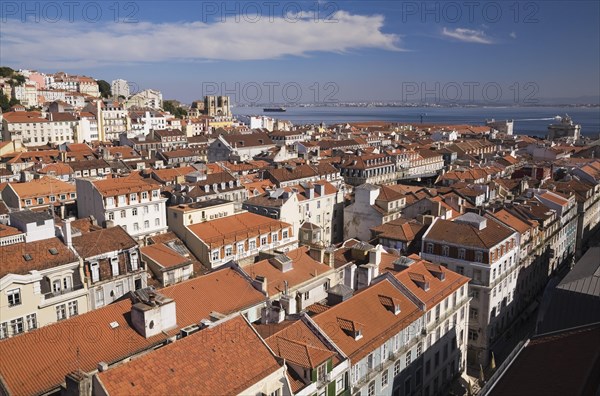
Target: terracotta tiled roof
x=232 y=228
x=365 y=310
x=299 y=345
x=164 y=255
x=421 y=271
x=467 y=235
x=226 y=359
x=42 y=188
x=124 y=185
x=23 y=257
x=304 y=269
x=103 y=241
x=50 y=352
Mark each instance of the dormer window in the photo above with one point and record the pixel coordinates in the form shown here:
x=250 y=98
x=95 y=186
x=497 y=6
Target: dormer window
x=479 y=257
x=446 y=250
x=430 y=248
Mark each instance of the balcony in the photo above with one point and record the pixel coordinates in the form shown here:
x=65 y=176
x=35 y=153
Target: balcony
x=62 y=292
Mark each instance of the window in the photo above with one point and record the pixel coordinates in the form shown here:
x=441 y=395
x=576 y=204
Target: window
x=134 y=212
x=136 y=227
x=436 y=359
x=114 y=264
x=306 y=295
x=67 y=283
x=40 y=201
x=437 y=312
x=407 y=386
x=144 y=195
x=228 y=251
x=371 y=389
x=396 y=342
x=473 y=313
x=408 y=358
x=473 y=335
x=99 y=297
x=321 y=371
x=155 y=194
x=275 y=393
x=52 y=198
x=61 y=312
x=370 y=361
x=72 y=195
x=157 y=222
x=123 y=214
x=111 y=215
x=17 y=326
x=461 y=255
x=95 y=272
x=132 y=197
x=274 y=237
x=146 y=209
x=73 y=311
x=384 y=379
x=14 y=297
x=215 y=255
x=427 y=367
x=56 y=286
x=445 y=250
x=419 y=349
x=339 y=385
x=397 y=367
x=285 y=234
x=384 y=352
x=252 y=244
x=31 y=321
x=156 y=208
x=146 y=224
x=240 y=247
x=263 y=240
x=430 y=248
x=27 y=203
x=479 y=257
x=318 y=204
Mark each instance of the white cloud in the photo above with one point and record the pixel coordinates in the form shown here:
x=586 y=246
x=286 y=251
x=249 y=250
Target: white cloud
x=93 y=44
x=467 y=35
x=513 y=35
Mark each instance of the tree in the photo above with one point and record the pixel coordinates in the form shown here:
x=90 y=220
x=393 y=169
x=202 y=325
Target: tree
x=6 y=103
x=105 y=89
x=178 y=112
x=6 y=71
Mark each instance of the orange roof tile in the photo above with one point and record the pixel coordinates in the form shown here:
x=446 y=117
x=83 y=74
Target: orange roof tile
x=365 y=310
x=225 y=359
x=236 y=227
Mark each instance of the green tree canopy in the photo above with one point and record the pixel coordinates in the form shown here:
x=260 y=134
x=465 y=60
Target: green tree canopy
x=105 y=89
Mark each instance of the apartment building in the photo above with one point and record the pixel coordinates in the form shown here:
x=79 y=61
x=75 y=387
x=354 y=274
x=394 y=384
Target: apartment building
x=46 y=192
x=239 y=237
x=34 y=128
x=372 y=207
x=111 y=261
x=318 y=203
x=40 y=283
x=134 y=204
x=369 y=168
x=487 y=251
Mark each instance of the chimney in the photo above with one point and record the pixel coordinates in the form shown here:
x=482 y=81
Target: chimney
x=152 y=313
x=375 y=255
x=78 y=383
x=260 y=283
x=329 y=256
x=67 y=233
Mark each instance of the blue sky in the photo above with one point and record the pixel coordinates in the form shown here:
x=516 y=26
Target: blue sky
x=505 y=51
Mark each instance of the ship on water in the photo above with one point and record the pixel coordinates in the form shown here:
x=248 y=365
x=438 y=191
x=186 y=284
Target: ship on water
x=274 y=109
